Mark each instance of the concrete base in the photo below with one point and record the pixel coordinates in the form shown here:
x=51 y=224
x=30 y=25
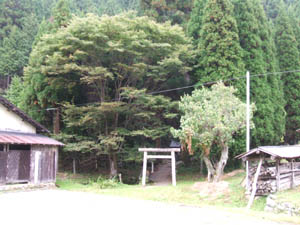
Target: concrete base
x=28 y=186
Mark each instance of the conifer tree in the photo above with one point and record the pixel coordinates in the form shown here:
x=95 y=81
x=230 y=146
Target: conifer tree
x=258 y=57
x=18 y=26
x=61 y=14
x=176 y=11
x=294 y=15
x=220 y=54
x=289 y=60
x=195 y=22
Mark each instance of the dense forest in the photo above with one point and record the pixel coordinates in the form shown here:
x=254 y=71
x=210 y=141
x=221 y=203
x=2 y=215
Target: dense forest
x=107 y=75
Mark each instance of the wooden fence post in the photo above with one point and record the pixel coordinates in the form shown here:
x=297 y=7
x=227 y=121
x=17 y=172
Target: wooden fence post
x=277 y=175
x=254 y=184
x=293 y=174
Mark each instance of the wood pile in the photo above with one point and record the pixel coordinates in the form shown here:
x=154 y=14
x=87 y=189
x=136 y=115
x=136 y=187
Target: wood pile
x=267 y=181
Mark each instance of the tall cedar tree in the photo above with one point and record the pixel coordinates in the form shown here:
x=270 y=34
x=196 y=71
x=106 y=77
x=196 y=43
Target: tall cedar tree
x=288 y=55
x=18 y=26
x=195 y=22
x=254 y=39
x=294 y=14
x=220 y=53
x=277 y=97
x=176 y=11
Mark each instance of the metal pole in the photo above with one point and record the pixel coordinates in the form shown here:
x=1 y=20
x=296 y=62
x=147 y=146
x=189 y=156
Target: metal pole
x=248 y=127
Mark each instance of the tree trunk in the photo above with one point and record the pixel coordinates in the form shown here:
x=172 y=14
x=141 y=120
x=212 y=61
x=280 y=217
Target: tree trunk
x=56 y=121
x=186 y=158
x=222 y=162
x=113 y=165
x=210 y=169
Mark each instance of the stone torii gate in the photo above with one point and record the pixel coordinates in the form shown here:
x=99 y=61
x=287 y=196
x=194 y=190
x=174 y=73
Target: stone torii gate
x=171 y=156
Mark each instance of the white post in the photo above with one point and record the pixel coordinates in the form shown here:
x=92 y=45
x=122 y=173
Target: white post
x=152 y=167
x=173 y=169
x=248 y=127
x=74 y=166
x=144 y=169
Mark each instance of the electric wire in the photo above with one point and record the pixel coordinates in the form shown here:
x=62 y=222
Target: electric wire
x=190 y=86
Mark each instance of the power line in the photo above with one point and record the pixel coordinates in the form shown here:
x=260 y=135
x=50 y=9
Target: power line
x=191 y=86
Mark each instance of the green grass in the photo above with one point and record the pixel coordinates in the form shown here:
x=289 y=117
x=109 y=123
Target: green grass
x=292 y=196
x=233 y=200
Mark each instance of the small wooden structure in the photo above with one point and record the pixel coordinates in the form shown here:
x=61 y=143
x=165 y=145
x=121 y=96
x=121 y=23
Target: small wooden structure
x=160 y=150
x=272 y=168
x=25 y=156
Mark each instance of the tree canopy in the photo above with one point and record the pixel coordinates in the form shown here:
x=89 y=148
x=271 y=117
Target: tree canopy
x=211 y=117
x=107 y=60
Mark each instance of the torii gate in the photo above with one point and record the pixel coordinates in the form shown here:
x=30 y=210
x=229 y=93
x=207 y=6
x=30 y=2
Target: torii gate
x=172 y=157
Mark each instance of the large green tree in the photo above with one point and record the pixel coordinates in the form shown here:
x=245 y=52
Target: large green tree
x=105 y=60
x=211 y=117
x=256 y=41
x=220 y=54
x=288 y=55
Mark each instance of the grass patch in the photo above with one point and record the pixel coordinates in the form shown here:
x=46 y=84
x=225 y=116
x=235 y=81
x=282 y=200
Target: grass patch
x=233 y=200
x=292 y=196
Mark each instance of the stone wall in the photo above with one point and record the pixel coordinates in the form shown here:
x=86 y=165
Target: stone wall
x=276 y=206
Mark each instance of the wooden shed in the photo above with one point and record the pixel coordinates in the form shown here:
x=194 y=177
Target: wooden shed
x=272 y=168
x=26 y=156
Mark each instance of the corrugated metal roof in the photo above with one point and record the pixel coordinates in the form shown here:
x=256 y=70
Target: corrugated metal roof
x=25 y=138
x=285 y=151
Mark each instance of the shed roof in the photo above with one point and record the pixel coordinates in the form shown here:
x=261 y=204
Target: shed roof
x=26 y=138
x=285 y=151
x=23 y=115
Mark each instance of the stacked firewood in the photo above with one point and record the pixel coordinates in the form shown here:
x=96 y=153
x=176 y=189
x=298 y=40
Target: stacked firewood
x=266 y=183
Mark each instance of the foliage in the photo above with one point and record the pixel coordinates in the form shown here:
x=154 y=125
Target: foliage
x=102 y=7
x=288 y=55
x=220 y=54
x=18 y=27
x=106 y=59
x=256 y=41
x=195 y=21
x=176 y=11
x=104 y=183
x=13 y=93
x=211 y=117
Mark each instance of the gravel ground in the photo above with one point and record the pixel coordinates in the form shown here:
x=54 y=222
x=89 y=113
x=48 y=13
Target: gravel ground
x=45 y=207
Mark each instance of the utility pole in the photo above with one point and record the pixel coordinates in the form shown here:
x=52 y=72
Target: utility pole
x=248 y=127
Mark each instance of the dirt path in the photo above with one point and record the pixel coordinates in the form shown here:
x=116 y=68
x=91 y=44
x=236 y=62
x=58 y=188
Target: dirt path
x=51 y=207
x=162 y=173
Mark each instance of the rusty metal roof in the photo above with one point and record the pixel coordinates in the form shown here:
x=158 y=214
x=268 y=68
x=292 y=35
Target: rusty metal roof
x=284 y=151
x=23 y=115
x=26 y=139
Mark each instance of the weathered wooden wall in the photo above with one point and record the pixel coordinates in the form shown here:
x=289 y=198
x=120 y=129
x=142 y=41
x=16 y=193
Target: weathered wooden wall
x=39 y=165
x=14 y=166
x=45 y=159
